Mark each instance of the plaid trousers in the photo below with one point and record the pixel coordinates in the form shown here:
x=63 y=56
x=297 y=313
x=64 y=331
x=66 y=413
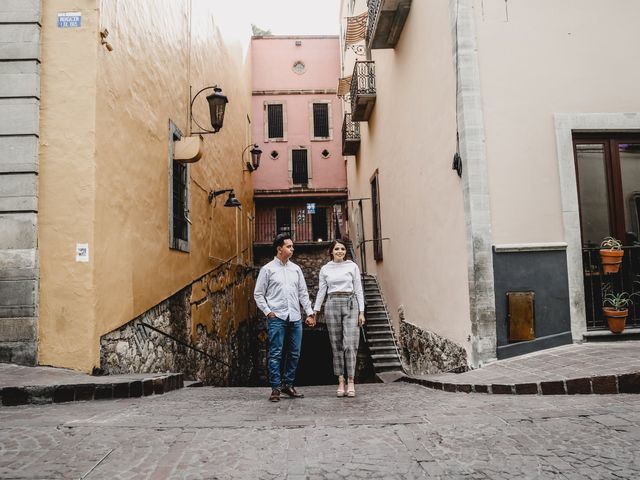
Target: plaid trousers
x=341 y=314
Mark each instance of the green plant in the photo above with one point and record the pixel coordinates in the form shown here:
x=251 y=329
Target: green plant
x=611 y=243
x=617 y=301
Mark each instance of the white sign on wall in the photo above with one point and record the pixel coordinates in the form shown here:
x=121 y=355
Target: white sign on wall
x=82 y=252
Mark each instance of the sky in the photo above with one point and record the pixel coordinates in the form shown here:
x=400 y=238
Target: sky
x=282 y=17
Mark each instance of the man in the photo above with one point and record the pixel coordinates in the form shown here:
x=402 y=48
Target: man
x=280 y=289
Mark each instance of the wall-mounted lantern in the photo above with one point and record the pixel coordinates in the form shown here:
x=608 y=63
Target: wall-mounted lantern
x=255 y=157
x=232 y=201
x=217 y=104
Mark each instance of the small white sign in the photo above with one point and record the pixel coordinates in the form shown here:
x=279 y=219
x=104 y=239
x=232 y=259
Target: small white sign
x=82 y=252
x=69 y=19
x=311 y=208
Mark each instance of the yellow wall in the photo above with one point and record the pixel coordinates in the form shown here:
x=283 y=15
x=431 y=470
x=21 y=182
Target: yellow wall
x=112 y=175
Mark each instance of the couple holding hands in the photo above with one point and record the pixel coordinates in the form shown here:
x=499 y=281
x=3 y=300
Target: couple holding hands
x=279 y=291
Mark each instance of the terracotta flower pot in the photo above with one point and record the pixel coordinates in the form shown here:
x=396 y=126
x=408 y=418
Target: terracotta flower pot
x=611 y=260
x=616 y=319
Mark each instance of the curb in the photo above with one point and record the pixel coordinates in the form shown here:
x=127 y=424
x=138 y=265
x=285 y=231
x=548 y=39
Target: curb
x=43 y=394
x=601 y=385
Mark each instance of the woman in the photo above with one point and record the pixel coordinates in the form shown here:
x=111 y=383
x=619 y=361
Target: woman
x=344 y=312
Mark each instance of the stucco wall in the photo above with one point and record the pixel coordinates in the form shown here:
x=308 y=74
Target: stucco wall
x=275 y=81
x=410 y=139
x=579 y=62
x=106 y=180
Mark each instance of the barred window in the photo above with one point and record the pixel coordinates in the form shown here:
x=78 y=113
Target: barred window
x=180 y=226
x=299 y=170
x=377 y=227
x=321 y=120
x=283 y=220
x=275 y=120
x=179 y=195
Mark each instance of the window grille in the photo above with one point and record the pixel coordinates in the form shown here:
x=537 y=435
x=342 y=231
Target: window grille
x=283 y=220
x=321 y=120
x=275 y=121
x=320 y=224
x=300 y=171
x=377 y=228
x=180 y=226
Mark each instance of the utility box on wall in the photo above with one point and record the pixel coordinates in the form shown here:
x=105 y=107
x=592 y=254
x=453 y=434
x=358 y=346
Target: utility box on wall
x=521 y=317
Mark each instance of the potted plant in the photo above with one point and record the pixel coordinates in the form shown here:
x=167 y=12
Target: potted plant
x=615 y=308
x=611 y=254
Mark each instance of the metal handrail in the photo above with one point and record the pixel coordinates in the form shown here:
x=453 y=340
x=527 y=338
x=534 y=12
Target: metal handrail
x=185 y=344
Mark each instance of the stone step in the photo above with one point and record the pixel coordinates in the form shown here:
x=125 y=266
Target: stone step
x=386 y=365
x=379 y=333
x=384 y=356
x=380 y=341
x=382 y=348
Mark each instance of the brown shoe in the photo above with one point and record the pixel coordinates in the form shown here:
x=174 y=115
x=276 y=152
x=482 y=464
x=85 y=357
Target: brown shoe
x=275 y=395
x=291 y=391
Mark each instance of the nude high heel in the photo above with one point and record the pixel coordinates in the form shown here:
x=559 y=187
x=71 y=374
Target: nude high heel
x=351 y=388
x=340 y=392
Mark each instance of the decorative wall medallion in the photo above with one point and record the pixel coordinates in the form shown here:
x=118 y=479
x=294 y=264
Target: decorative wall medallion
x=299 y=67
x=325 y=153
x=274 y=154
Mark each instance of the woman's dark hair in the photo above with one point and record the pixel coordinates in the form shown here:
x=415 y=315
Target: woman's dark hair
x=279 y=240
x=332 y=246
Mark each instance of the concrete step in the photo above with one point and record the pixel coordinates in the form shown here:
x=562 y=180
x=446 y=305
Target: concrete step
x=386 y=365
x=382 y=348
x=384 y=356
x=380 y=341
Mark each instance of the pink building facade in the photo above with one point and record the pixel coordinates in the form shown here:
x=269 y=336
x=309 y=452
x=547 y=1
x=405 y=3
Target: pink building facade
x=301 y=185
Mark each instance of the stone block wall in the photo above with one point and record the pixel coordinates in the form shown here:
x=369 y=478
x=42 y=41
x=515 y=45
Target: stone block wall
x=425 y=352
x=19 y=131
x=214 y=315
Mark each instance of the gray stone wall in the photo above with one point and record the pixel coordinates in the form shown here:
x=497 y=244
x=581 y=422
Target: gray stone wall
x=234 y=353
x=424 y=352
x=19 y=130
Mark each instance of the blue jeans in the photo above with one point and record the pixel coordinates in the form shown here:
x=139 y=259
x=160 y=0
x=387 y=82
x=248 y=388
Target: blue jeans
x=281 y=333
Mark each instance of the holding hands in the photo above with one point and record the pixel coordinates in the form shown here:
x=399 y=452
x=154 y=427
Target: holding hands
x=311 y=320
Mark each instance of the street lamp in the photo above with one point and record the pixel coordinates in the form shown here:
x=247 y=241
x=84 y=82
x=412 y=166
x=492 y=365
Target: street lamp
x=255 y=157
x=217 y=104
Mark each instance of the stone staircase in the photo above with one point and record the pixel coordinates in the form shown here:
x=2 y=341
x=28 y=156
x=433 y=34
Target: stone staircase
x=378 y=331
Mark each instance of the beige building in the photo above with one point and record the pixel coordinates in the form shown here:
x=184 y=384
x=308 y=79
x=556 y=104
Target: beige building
x=122 y=219
x=529 y=100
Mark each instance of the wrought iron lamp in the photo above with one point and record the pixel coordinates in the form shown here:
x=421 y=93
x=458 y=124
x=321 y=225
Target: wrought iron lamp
x=232 y=201
x=255 y=157
x=217 y=104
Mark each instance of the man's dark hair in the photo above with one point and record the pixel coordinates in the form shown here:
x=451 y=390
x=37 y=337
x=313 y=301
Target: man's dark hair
x=279 y=240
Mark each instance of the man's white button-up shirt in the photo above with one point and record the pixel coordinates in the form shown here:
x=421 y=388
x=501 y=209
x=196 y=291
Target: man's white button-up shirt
x=281 y=289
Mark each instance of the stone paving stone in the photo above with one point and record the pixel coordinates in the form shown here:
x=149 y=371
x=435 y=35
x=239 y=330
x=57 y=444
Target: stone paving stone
x=390 y=431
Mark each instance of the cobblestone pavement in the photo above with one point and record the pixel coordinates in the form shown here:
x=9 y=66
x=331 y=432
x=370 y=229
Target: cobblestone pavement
x=389 y=431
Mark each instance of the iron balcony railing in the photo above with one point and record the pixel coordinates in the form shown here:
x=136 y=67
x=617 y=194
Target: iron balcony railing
x=363 y=90
x=374 y=7
x=350 y=135
x=299 y=222
x=386 y=20
x=595 y=280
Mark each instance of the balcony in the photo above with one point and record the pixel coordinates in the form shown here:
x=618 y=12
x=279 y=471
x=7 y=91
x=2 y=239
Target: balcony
x=350 y=136
x=363 y=91
x=323 y=225
x=386 y=21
